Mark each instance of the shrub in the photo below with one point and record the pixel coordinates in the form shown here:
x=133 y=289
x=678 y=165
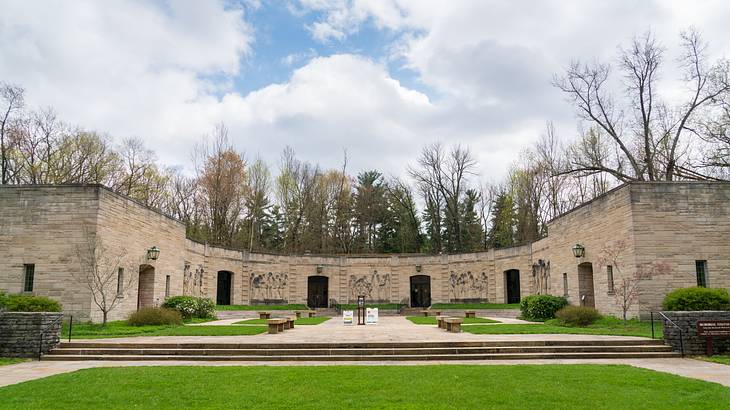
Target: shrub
x=155 y=316
x=206 y=308
x=3 y=299
x=697 y=298
x=577 y=315
x=190 y=306
x=541 y=307
x=186 y=305
x=30 y=303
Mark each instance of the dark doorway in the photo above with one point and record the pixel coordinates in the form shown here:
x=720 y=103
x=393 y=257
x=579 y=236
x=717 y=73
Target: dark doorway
x=223 y=291
x=420 y=291
x=317 y=291
x=585 y=285
x=512 y=285
x=146 y=287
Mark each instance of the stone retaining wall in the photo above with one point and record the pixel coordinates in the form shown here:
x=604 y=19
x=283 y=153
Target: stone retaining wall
x=20 y=332
x=693 y=344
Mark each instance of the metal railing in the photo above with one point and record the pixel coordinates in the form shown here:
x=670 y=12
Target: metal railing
x=45 y=329
x=668 y=320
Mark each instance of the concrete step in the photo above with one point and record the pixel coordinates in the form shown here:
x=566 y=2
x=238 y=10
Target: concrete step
x=374 y=358
x=362 y=352
x=362 y=345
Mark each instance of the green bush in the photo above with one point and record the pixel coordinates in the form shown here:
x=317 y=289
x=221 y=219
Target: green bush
x=190 y=306
x=29 y=303
x=3 y=299
x=206 y=308
x=577 y=316
x=155 y=316
x=541 y=307
x=697 y=298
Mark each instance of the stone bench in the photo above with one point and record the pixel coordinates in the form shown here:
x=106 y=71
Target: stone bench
x=427 y=312
x=453 y=324
x=299 y=313
x=276 y=325
x=289 y=322
x=470 y=313
x=440 y=321
x=264 y=315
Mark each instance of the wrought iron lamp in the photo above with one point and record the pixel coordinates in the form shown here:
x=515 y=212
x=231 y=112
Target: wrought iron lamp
x=153 y=253
x=579 y=250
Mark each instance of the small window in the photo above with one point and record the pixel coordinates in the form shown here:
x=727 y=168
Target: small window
x=701 y=268
x=609 y=277
x=565 y=284
x=167 y=286
x=29 y=277
x=120 y=282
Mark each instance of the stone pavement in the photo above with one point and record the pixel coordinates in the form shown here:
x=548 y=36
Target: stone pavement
x=390 y=329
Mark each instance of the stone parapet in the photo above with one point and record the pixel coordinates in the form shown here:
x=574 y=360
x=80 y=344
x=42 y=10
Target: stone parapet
x=687 y=321
x=20 y=333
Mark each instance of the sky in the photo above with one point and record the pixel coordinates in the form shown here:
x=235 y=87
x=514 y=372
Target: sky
x=378 y=79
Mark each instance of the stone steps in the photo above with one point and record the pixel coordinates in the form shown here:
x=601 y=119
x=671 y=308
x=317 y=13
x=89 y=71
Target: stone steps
x=488 y=350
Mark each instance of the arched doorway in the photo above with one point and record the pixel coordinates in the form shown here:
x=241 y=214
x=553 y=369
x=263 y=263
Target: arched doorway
x=146 y=287
x=420 y=291
x=585 y=285
x=317 y=287
x=512 y=285
x=223 y=289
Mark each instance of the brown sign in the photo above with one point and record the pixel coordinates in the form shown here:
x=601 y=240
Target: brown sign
x=713 y=328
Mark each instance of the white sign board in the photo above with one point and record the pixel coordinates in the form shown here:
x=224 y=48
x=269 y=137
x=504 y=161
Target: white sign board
x=371 y=316
x=347 y=317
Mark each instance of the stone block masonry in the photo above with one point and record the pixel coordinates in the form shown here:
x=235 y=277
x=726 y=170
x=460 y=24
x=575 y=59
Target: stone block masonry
x=20 y=333
x=694 y=345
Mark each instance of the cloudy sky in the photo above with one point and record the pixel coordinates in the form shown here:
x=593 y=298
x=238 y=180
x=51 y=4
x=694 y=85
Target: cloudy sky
x=379 y=78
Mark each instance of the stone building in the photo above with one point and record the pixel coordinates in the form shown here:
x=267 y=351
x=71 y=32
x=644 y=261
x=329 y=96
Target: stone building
x=681 y=226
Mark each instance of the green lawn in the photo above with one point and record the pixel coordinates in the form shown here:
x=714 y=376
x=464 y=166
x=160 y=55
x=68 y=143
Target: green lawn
x=261 y=307
x=605 y=326
x=302 y=321
x=716 y=359
x=380 y=306
x=338 y=387
x=120 y=328
x=4 y=361
x=474 y=306
x=431 y=320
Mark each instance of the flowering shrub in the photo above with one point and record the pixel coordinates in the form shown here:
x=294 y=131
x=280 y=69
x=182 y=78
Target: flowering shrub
x=190 y=306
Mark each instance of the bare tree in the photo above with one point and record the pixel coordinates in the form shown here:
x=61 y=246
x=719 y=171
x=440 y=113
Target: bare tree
x=647 y=138
x=626 y=291
x=100 y=273
x=11 y=97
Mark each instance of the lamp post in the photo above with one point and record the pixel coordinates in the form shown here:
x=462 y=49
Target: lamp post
x=579 y=250
x=153 y=253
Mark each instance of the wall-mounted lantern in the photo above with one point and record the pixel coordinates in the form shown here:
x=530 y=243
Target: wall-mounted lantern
x=153 y=253
x=418 y=268
x=579 y=250
x=319 y=268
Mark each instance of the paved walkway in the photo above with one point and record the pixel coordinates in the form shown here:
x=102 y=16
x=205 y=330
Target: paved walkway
x=390 y=328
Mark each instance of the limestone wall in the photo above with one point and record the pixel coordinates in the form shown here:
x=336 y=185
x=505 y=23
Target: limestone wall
x=20 y=333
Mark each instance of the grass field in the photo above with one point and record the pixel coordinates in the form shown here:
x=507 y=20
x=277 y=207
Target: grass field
x=301 y=321
x=4 y=361
x=261 y=307
x=122 y=329
x=605 y=326
x=431 y=320
x=716 y=359
x=338 y=387
x=474 y=306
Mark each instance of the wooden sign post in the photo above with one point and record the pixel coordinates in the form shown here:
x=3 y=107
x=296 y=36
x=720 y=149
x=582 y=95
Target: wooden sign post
x=711 y=329
x=361 y=310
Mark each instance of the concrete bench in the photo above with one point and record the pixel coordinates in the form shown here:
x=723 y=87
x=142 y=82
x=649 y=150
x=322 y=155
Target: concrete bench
x=276 y=325
x=440 y=321
x=427 y=312
x=264 y=315
x=311 y=313
x=289 y=323
x=470 y=313
x=453 y=324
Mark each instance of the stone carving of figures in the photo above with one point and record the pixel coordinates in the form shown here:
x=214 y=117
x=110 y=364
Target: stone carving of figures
x=466 y=285
x=541 y=277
